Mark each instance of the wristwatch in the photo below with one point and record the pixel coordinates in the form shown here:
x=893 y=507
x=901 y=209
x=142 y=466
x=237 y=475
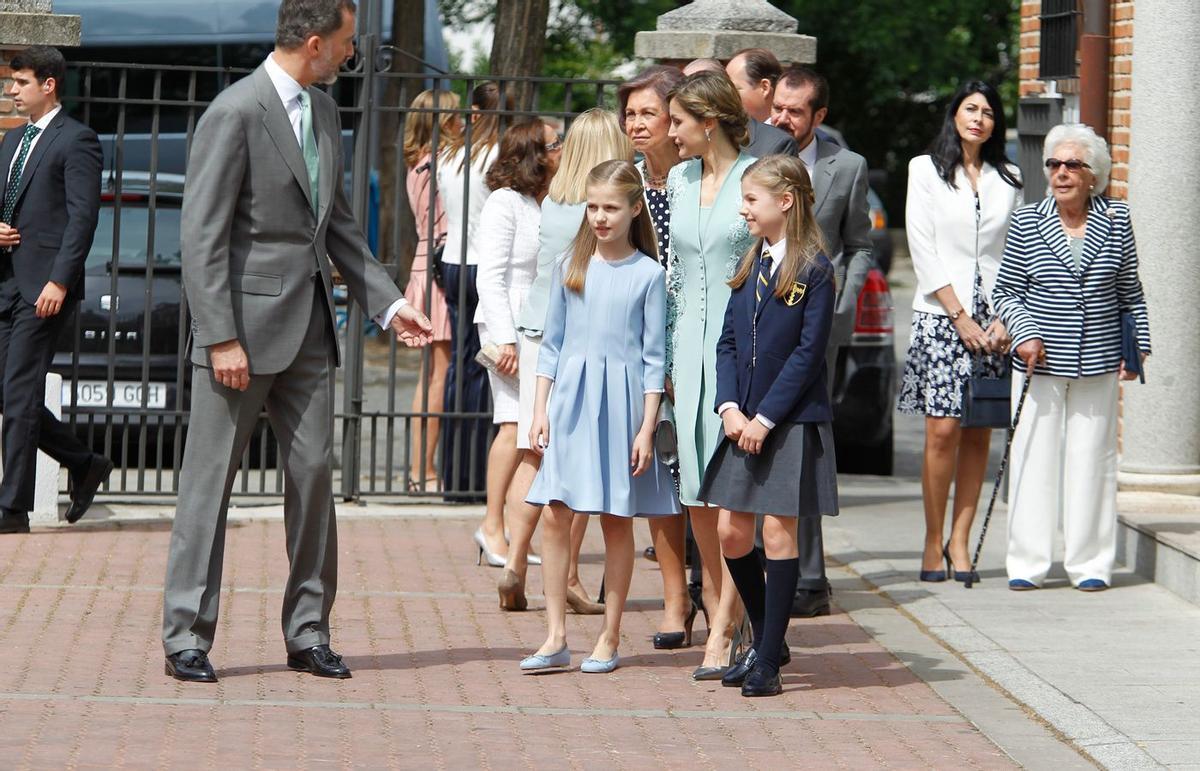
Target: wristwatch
x=955 y=314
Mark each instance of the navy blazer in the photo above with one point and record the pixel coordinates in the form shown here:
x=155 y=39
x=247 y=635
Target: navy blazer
x=58 y=205
x=785 y=381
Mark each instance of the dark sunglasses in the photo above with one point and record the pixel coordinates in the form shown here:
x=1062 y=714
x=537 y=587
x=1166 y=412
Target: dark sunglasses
x=555 y=145
x=1072 y=165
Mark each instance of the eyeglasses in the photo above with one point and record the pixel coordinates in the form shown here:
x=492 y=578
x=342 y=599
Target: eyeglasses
x=555 y=145
x=1073 y=165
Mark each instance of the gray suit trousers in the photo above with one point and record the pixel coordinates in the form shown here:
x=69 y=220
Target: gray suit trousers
x=299 y=404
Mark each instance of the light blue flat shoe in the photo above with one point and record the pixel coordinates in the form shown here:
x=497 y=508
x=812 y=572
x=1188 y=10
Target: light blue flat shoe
x=539 y=663
x=598 y=666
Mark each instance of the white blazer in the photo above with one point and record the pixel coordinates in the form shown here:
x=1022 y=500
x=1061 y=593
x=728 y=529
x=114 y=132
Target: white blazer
x=507 y=243
x=943 y=238
x=463 y=194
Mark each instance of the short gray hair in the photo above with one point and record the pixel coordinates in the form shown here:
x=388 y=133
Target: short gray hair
x=299 y=20
x=1095 y=150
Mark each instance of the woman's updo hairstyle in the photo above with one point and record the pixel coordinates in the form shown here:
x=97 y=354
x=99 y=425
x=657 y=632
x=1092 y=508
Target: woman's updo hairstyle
x=707 y=95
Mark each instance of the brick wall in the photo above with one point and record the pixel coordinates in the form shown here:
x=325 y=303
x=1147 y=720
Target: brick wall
x=1120 y=73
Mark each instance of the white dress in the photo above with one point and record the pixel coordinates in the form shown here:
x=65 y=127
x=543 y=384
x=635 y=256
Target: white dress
x=506 y=245
x=463 y=199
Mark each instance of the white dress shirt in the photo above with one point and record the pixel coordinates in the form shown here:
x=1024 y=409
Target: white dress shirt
x=41 y=124
x=808 y=156
x=777 y=252
x=289 y=93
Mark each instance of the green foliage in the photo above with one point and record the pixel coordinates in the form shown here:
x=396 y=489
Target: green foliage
x=893 y=66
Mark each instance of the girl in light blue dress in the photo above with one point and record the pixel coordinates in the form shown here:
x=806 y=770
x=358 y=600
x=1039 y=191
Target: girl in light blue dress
x=604 y=350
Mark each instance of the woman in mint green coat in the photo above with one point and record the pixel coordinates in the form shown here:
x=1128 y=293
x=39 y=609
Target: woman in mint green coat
x=708 y=238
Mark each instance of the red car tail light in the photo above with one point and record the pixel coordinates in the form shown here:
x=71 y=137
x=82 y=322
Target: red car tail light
x=874 y=317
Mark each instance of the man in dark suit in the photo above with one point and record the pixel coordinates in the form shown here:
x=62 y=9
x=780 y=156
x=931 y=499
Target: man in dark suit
x=754 y=72
x=839 y=179
x=264 y=222
x=49 y=204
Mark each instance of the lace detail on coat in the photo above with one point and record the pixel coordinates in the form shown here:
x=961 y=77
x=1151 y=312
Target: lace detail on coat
x=675 y=268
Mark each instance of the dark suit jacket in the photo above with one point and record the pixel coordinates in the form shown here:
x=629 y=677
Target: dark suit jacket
x=58 y=204
x=784 y=380
x=768 y=140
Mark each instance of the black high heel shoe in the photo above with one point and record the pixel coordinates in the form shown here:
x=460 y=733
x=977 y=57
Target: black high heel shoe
x=672 y=640
x=959 y=575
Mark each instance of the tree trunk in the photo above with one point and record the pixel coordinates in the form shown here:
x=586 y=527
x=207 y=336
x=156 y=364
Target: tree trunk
x=517 y=45
x=397 y=229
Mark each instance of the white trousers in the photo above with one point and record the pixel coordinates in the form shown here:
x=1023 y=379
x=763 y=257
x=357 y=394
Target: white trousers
x=1064 y=460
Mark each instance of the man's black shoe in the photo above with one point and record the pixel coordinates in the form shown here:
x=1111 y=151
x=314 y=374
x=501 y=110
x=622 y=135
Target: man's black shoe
x=319 y=660
x=760 y=682
x=191 y=666
x=12 y=521
x=85 y=488
x=811 y=602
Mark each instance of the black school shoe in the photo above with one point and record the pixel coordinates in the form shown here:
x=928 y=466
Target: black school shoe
x=761 y=682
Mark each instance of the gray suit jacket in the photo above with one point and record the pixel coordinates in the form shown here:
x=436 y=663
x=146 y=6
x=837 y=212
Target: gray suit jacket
x=251 y=244
x=768 y=140
x=840 y=186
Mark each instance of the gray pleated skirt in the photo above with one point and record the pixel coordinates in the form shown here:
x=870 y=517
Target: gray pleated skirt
x=794 y=475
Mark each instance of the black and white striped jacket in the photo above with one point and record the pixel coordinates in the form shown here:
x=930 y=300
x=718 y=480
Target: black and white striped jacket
x=1076 y=313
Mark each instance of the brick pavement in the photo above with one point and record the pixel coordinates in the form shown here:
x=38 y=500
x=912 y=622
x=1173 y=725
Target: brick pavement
x=435 y=681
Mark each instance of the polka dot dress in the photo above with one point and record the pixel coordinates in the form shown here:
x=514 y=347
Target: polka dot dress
x=660 y=217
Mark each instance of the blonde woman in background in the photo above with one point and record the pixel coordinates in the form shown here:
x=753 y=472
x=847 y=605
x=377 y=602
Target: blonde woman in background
x=422 y=292
x=594 y=137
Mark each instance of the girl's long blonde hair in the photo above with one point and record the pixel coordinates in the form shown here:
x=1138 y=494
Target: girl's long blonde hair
x=622 y=175
x=782 y=174
x=594 y=137
x=418 y=126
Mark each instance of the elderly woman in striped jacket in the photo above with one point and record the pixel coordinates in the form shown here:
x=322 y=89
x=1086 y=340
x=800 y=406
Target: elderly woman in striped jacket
x=1069 y=271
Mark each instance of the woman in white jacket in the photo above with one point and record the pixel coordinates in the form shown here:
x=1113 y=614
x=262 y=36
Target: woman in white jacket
x=507 y=244
x=960 y=198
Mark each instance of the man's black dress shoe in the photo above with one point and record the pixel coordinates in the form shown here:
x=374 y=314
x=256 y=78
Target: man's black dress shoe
x=191 y=666
x=736 y=675
x=85 y=488
x=319 y=660
x=811 y=602
x=12 y=521
x=761 y=682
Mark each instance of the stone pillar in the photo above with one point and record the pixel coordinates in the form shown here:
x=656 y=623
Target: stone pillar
x=1162 y=417
x=717 y=29
x=25 y=23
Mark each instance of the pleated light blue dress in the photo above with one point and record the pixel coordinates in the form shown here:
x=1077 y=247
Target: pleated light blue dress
x=605 y=350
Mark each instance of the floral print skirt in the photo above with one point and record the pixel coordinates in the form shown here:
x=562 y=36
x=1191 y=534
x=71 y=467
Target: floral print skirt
x=938 y=364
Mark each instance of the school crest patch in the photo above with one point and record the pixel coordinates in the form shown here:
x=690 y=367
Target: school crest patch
x=795 y=294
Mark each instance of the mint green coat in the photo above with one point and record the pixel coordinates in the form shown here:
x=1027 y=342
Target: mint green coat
x=704 y=253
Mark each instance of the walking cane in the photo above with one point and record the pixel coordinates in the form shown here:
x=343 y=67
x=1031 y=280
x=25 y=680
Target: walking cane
x=999 y=479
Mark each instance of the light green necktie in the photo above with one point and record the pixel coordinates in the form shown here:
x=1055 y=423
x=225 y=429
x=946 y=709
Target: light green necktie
x=308 y=146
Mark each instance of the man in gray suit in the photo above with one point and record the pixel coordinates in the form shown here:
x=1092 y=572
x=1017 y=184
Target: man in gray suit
x=764 y=138
x=264 y=215
x=839 y=179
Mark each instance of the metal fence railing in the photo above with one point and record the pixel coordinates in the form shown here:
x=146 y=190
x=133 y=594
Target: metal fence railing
x=123 y=358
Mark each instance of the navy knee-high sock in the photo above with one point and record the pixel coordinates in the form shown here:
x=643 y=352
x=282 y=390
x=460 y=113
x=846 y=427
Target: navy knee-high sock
x=748 y=578
x=780 y=588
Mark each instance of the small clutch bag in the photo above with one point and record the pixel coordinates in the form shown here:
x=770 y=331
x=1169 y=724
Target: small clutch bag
x=986 y=401
x=1131 y=353
x=666 y=443
x=487 y=357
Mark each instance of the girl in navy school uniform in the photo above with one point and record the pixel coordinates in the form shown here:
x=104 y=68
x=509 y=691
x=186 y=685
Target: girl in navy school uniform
x=777 y=458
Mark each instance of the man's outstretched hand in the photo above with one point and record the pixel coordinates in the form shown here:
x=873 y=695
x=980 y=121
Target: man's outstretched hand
x=412 y=327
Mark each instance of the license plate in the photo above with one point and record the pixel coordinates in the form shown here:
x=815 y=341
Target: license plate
x=94 y=393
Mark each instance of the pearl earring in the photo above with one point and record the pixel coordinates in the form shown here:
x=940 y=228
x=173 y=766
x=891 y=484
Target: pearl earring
x=707 y=135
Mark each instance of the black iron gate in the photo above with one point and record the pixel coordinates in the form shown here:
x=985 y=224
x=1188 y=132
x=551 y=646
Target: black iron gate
x=125 y=373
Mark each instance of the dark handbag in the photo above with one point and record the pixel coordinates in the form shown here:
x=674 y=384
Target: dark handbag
x=1131 y=353
x=435 y=267
x=986 y=401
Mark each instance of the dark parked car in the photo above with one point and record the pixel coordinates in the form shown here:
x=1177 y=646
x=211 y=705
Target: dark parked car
x=864 y=384
x=128 y=329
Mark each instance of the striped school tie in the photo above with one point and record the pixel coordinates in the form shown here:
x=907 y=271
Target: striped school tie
x=764 y=272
